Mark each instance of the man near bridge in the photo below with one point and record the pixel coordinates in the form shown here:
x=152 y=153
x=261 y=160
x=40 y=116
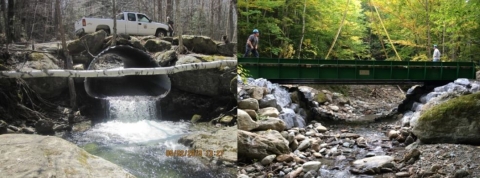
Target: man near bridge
x=436 y=54
x=170 y=26
x=252 y=44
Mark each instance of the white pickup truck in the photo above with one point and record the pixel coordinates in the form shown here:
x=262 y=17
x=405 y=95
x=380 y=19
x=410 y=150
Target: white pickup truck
x=130 y=23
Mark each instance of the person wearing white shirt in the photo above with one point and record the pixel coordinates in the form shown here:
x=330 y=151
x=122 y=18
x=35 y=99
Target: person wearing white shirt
x=436 y=54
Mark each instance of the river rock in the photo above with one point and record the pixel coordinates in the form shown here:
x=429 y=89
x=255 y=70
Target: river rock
x=49 y=156
x=272 y=123
x=94 y=42
x=198 y=44
x=245 y=122
x=157 y=45
x=393 y=134
x=224 y=139
x=372 y=165
x=44 y=127
x=284 y=158
x=207 y=82
x=256 y=92
x=229 y=49
x=167 y=58
x=187 y=60
x=3 y=127
x=204 y=105
x=333 y=107
x=268 y=159
x=46 y=87
x=261 y=144
x=249 y=103
x=251 y=113
x=311 y=166
x=451 y=122
x=136 y=43
x=268 y=101
x=304 y=144
x=321 y=129
x=270 y=111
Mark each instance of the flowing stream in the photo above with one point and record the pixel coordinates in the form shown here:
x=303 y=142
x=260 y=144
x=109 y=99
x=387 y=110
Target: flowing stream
x=136 y=139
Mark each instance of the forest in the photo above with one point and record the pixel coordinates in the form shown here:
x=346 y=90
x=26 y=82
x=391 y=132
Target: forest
x=37 y=20
x=362 y=29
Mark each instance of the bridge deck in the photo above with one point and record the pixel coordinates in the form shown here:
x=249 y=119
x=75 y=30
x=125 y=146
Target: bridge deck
x=356 y=71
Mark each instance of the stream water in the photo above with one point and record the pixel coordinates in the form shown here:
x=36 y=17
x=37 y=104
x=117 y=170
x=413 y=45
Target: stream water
x=136 y=139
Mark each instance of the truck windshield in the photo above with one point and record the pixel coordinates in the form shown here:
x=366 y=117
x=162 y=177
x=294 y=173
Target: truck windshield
x=142 y=18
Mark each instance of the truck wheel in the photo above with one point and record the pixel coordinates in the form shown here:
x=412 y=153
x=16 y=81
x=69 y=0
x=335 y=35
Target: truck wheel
x=161 y=33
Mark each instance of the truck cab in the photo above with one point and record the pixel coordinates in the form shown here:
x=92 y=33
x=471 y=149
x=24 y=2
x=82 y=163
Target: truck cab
x=131 y=23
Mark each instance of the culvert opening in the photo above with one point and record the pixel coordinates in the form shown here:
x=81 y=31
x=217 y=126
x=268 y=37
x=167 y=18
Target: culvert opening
x=133 y=85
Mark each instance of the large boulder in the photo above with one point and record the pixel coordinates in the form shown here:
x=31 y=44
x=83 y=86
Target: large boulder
x=49 y=156
x=451 y=122
x=227 y=49
x=272 y=123
x=45 y=87
x=190 y=104
x=209 y=82
x=156 y=45
x=94 y=42
x=167 y=58
x=258 y=145
x=136 y=43
x=224 y=139
x=198 y=44
x=245 y=122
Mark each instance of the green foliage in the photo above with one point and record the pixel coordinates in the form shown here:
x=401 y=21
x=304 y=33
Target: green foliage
x=243 y=73
x=453 y=25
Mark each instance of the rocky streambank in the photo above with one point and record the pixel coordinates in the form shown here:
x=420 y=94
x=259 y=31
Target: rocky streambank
x=333 y=144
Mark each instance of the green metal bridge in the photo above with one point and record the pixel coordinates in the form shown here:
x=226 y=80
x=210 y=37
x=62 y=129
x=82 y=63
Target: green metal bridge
x=356 y=71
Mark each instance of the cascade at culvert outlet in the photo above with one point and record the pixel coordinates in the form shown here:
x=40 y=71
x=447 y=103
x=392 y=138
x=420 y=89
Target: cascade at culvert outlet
x=126 y=57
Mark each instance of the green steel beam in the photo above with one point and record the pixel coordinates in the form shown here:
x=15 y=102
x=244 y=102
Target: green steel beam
x=358 y=71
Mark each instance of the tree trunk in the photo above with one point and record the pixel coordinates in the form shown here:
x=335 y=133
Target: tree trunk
x=117 y=72
x=428 y=27
x=11 y=15
x=170 y=9
x=181 y=48
x=231 y=20
x=114 y=38
x=303 y=29
x=5 y=15
x=339 y=30
x=68 y=61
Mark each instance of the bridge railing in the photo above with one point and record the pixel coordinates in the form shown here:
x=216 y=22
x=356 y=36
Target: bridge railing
x=356 y=70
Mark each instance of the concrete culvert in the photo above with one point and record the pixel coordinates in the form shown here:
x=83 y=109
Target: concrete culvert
x=132 y=85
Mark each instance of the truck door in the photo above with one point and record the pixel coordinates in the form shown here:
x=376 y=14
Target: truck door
x=144 y=25
x=121 y=27
x=131 y=24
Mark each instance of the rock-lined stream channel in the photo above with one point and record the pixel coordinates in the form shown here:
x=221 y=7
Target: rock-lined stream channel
x=135 y=139
x=303 y=131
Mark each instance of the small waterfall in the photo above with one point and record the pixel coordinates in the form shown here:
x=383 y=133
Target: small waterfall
x=132 y=108
x=281 y=95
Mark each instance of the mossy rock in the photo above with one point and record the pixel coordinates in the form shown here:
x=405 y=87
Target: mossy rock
x=453 y=121
x=321 y=98
x=36 y=56
x=212 y=58
x=196 y=118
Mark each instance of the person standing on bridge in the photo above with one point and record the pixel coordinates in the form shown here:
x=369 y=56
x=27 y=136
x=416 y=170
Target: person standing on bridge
x=436 y=54
x=252 y=44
